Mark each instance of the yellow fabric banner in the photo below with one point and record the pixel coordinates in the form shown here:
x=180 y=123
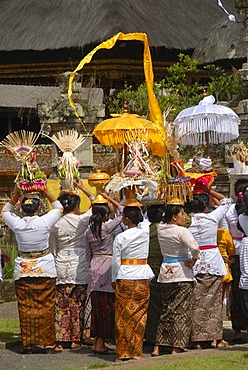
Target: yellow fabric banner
x=155 y=111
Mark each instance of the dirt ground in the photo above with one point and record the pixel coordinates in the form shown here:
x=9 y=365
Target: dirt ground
x=11 y=359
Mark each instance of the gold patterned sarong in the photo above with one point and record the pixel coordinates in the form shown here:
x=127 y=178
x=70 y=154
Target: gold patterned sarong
x=131 y=304
x=36 y=304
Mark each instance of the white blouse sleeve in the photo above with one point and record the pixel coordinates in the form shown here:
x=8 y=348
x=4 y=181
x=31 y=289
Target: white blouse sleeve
x=53 y=241
x=116 y=260
x=243 y=221
x=188 y=240
x=220 y=211
x=223 y=224
x=9 y=216
x=52 y=217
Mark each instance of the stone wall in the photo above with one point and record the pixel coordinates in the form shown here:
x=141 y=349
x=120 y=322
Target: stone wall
x=7 y=291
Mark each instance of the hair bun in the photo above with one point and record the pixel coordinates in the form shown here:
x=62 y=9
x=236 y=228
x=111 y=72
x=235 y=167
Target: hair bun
x=28 y=201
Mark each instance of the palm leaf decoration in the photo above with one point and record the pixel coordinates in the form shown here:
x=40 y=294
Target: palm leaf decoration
x=21 y=144
x=68 y=141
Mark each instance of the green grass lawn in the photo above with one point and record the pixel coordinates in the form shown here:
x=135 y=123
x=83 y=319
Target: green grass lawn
x=216 y=362
x=221 y=362
x=9 y=330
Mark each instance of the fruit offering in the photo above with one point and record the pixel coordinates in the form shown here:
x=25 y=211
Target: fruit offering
x=30 y=178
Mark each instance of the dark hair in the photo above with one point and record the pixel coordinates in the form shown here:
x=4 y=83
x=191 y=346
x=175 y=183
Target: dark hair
x=240 y=189
x=170 y=211
x=240 y=186
x=134 y=214
x=30 y=205
x=239 y=204
x=69 y=202
x=154 y=212
x=99 y=210
x=199 y=203
x=244 y=208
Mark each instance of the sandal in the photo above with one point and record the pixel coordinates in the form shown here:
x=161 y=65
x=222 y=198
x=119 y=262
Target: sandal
x=75 y=346
x=59 y=347
x=87 y=341
x=222 y=344
x=107 y=351
x=26 y=350
x=53 y=350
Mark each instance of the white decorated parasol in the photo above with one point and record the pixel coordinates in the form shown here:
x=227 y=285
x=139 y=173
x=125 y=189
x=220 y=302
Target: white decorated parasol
x=206 y=123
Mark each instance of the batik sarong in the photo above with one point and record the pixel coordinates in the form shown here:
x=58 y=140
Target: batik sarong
x=102 y=315
x=154 y=308
x=131 y=305
x=237 y=317
x=36 y=304
x=85 y=317
x=174 y=326
x=70 y=303
x=207 y=321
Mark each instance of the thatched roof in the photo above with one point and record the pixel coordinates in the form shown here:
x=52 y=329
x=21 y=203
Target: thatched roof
x=225 y=40
x=20 y=96
x=57 y=24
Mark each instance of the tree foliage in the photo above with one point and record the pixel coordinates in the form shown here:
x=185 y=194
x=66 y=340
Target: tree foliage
x=179 y=89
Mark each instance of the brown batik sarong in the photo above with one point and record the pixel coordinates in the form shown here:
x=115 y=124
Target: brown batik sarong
x=131 y=304
x=70 y=303
x=36 y=304
x=174 y=326
x=102 y=315
x=207 y=322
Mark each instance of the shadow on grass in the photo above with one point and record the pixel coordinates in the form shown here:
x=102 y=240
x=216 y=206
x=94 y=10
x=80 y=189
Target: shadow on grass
x=9 y=330
x=6 y=336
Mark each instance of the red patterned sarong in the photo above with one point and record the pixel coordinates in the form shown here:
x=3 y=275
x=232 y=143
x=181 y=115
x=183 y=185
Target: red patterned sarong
x=102 y=315
x=70 y=303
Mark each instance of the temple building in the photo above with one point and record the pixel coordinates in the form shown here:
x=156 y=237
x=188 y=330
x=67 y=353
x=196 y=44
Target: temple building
x=42 y=42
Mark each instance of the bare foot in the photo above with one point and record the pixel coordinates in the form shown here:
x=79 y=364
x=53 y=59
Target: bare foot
x=222 y=344
x=196 y=345
x=59 y=347
x=155 y=351
x=214 y=343
x=75 y=345
x=138 y=357
x=176 y=350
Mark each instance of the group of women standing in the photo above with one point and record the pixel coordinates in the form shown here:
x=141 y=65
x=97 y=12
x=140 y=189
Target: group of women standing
x=118 y=271
x=51 y=270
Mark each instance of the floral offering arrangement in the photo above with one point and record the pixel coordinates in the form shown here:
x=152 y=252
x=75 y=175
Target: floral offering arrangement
x=174 y=183
x=68 y=166
x=201 y=173
x=239 y=153
x=62 y=167
x=29 y=178
x=139 y=173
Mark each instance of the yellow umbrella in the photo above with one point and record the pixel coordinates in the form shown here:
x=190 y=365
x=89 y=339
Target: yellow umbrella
x=126 y=127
